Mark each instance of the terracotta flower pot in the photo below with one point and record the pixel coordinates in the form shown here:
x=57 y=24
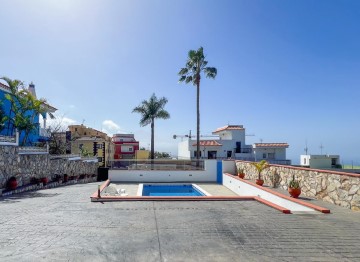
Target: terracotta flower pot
x=294 y=192
x=44 y=180
x=12 y=184
x=259 y=182
x=241 y=175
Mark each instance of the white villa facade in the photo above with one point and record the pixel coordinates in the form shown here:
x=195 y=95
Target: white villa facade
x=320 y=161
x=230 y=144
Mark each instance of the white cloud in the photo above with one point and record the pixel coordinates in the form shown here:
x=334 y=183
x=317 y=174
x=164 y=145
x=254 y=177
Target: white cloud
x=110 y=127
x=59 y=123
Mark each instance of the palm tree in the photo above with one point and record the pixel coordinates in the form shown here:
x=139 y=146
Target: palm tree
x=191 y=73
x=13 y=98
x=260 y=166
x=150 y=110
x=32 y=107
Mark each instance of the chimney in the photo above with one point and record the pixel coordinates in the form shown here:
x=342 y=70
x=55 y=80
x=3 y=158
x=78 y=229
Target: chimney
x=32 y=89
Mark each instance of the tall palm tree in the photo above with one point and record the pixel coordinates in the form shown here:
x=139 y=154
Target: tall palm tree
x=13 y=97
x=32 y=107
x=150 y=110
x=191 y=73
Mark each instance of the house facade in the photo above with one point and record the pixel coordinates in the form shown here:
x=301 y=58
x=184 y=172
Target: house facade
x=39 y=134
x=320 y=161
x=229 y=143
x=88 y=141
x=126 y=146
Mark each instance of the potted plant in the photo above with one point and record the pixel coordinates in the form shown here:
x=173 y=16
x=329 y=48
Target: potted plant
x=241 y=173
x=44 y=180
x=294 y=188
x=12 y=183
x=260 y=166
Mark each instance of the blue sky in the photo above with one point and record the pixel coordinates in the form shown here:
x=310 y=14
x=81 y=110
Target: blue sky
x=287 y=70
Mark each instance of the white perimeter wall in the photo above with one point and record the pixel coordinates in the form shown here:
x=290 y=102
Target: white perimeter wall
x=207 y=175
x=244 y=189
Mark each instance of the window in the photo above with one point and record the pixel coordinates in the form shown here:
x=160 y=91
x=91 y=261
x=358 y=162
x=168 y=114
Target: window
x=100 y=159
x=130 y=149
x=238 y=147
x=84 y=133
x=75 y=129
x=195 y=154
x=271 y=156
x=264 y=155
x=99 y=146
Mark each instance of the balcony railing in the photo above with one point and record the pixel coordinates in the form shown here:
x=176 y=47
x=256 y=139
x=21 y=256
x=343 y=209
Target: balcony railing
x=8 y=139
x=157 y=164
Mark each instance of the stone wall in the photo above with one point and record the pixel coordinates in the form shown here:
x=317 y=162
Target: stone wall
x=26 y=166
x=9 y=163
x=339 y=188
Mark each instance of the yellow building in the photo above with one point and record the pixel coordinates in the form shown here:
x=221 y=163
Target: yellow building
x=91 y=142
x=142 y=154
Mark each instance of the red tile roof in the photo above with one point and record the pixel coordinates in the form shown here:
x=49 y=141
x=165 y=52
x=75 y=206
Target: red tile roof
x=208 y=143
x=4 y=86
x=229 y=127
x=267 y=145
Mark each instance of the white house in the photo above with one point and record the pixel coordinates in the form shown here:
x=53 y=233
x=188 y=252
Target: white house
x=320 y=161
x=230 y=143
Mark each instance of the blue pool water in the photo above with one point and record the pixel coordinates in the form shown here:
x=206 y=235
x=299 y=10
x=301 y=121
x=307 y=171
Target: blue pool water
x=171 y=190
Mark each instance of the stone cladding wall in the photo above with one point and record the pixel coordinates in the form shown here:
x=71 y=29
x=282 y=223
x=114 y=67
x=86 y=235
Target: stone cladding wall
x=26 y=166
x=338 y=188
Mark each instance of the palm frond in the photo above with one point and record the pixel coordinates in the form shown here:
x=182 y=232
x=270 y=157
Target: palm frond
x=183 y=71
x=182 y=79
x=210 y=72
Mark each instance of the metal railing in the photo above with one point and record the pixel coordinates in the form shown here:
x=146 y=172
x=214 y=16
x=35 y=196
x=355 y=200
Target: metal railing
x=156 y=164
x=32 y=149
x=8 y=139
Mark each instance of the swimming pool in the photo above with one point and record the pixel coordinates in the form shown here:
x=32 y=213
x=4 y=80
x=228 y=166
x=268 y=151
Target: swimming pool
x=170 y=190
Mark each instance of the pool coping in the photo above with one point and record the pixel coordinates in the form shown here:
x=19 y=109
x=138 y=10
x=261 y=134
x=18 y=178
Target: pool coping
x=96 y=197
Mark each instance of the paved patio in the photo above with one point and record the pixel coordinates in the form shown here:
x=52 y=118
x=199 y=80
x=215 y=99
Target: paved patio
x=61 y=224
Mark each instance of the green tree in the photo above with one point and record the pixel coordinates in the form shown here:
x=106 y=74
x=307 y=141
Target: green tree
x=191 y=73
x=31 y=107
x=24 y=107
x=150 y=110
x=3 y=117
x=13 y=96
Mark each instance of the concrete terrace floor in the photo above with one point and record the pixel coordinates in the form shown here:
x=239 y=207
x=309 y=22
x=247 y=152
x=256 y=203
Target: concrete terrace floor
x=61 y=224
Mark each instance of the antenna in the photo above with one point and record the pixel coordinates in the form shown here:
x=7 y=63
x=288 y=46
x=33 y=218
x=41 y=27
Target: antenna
x=306 y=148
x=321 y=147
x=261 y=140
x=83 y=122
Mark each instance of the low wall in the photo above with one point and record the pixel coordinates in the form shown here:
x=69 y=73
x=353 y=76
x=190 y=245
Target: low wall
x=207 y=175
x=25 y=166
x=244 y=189
x=339 y=188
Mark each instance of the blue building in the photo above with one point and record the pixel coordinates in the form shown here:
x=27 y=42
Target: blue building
x=39 y=134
